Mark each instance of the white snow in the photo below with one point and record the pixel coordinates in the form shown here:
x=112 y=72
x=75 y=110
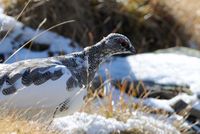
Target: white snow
x=93 y=123
x=164 y=68
x=27 y=54
x=20 y=34
x=167 y=104
x=151 y=102
x=186 y=98
x=197 y=105
x=7 y=22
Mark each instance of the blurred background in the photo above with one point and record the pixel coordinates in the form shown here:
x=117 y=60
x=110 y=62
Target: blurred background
x=150 y=24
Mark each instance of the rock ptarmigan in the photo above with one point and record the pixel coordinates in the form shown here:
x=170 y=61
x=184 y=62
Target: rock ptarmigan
x=57 y=81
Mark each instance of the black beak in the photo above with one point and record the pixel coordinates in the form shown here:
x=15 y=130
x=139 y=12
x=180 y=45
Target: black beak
x=132 y=50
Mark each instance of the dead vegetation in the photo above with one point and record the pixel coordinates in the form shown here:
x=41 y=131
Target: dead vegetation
x=123 y=109
x=15 y=123
x=187 y=12
x=150 y=24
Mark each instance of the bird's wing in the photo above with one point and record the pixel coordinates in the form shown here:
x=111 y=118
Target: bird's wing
x=14 y=77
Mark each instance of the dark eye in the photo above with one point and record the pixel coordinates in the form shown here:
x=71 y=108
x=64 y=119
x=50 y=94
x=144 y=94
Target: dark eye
x=125 y=44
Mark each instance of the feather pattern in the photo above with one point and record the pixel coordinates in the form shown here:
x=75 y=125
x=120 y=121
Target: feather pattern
x=60 y=81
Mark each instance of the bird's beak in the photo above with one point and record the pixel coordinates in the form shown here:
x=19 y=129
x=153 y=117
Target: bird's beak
x=132 y=50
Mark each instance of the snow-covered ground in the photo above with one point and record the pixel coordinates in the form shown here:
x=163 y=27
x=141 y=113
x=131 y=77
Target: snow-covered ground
x=163 y=68
x=96 y=124
x=52 y=43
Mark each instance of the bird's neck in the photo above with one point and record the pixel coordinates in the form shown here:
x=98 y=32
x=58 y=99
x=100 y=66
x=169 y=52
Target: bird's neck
x=96 y=55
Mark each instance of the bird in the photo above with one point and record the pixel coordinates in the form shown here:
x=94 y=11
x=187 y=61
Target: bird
x=59 y=82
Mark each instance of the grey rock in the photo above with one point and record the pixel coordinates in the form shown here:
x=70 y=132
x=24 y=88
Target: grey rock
x=195 y=112
x=179 y=106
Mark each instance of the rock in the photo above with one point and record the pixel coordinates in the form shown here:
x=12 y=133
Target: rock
x=179 y=106
x=195 y=113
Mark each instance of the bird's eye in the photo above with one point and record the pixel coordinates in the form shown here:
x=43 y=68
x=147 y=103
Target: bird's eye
x=125 y=44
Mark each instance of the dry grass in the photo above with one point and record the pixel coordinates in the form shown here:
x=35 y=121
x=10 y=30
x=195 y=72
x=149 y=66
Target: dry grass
x=148 y=23
x=122 y=110
x=188 y=14
x=14 y=123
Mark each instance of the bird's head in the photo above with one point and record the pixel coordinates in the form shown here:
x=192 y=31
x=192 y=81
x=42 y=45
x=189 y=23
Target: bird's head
x=118 y=44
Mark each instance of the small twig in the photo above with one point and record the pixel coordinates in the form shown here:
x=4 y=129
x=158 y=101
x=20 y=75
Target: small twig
x=37 y=30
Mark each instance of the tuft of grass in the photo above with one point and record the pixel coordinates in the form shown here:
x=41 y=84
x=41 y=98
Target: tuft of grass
x=15 y=123
x=123 y=110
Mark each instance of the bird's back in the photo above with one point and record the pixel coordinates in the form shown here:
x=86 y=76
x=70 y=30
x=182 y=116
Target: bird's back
x=42 y=82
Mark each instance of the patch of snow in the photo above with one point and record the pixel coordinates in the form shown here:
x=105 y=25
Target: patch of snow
x=197 y=105
x=157 y=103
x=88 y=123
x=150 y=123
x=6 y=47
x=20 y=34
x=167 y=104
x=151 y=102
x=92 y=123
x=189 y=99
x=164 y=68
x=7 y=22
x=27 y=54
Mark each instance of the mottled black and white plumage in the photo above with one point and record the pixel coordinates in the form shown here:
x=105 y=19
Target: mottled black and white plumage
x=57 y=81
